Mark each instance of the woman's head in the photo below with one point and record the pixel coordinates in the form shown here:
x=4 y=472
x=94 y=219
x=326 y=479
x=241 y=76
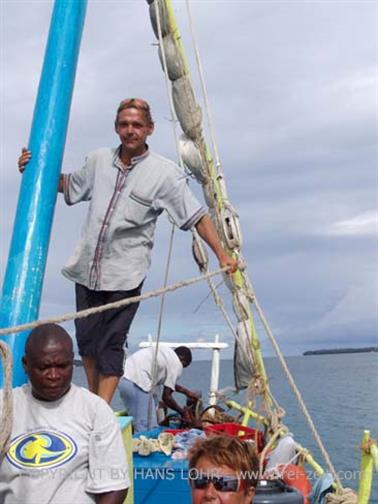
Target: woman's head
x=223 y=469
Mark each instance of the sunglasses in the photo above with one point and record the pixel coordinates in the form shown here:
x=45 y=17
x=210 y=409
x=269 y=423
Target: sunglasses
x=221 y=483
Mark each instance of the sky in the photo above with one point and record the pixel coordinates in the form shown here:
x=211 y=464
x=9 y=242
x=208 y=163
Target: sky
x=293 y=92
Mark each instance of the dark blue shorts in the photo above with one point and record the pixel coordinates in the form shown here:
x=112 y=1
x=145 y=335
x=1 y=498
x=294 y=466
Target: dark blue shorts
x=102 y=336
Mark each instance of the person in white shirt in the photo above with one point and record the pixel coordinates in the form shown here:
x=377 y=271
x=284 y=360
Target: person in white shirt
x=66 y=444
x=143 y=374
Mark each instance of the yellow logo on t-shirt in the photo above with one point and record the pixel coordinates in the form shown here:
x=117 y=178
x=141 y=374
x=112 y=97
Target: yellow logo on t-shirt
x=41 y=449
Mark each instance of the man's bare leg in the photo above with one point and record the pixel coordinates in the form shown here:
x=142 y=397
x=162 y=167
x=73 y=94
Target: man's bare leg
x=91 y=373
x=106 y=386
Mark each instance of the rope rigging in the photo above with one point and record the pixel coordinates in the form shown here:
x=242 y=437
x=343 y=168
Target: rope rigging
x=170 y=248
x=6 y=418
x=118 y=304
x=225 y=216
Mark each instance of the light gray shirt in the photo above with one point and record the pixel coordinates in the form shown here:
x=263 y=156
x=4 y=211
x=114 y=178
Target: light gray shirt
x=114 y=252
x=63 y=451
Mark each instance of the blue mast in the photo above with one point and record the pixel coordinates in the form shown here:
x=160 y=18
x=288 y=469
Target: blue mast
x=23 y=279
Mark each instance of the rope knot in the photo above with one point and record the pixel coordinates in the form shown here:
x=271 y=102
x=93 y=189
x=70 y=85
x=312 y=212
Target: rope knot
x=275 y=420
x=258 y=385
x=366 y=447
x=342 y=496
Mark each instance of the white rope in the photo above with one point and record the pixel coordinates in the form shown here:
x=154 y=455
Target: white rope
x=344 y=496
x=175 y=134
x=297 y=393
x=204 y=90
x=6 y=418
x=220 y=303
x=230 y=391
x=201 y=303
x=279 y=469
x=110 y=306
x=169 y=258
x=269 y=444
x=154 y=362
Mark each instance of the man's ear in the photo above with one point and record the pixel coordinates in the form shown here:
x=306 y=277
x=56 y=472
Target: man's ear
x=25 y=364
x=151 y=128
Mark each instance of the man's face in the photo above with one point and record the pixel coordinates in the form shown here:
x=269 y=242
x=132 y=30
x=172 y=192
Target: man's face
x=133 y=130
x=210 y=494
x=50 y=370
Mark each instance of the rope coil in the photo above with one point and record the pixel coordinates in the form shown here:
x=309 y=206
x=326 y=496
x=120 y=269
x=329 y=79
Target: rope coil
x=6 y=418
x=345 y=496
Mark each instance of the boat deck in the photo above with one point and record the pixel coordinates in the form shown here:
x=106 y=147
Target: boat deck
x=159 y=478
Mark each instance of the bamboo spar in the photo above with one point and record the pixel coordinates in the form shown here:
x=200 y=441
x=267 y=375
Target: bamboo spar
x=366 y=469
x=23 y=280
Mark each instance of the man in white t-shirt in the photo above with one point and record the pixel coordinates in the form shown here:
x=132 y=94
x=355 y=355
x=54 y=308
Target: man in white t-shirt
x=66 y=444
x=143 y=374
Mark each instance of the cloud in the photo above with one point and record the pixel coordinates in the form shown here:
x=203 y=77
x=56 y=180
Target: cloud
x=294 y=104
x=363 y=224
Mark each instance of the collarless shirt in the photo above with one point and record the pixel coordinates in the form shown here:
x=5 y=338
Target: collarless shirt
x=114 y=252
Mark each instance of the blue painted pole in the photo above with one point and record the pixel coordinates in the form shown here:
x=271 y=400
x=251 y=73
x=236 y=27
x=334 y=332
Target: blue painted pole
x=23 y=279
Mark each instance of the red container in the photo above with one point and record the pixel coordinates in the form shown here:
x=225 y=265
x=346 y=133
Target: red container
x=175 y=431
x=237 y=430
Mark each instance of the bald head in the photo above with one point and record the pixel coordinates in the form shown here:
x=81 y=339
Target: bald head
x=48 y=361
x=47 y=335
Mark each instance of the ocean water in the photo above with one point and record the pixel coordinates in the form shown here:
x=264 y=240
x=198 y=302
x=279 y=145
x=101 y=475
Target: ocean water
x=340 y=392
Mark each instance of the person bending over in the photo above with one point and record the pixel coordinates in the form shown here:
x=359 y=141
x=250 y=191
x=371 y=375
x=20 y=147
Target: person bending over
x=144 y=374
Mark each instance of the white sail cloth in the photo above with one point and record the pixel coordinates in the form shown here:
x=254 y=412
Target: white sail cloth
x=193 y=150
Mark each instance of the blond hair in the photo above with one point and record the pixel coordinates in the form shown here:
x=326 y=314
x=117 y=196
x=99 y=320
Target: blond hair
x=136 y=103
x=228 y=451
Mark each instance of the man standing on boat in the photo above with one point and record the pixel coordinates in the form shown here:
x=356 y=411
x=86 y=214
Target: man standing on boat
x=66 y=444
x=145 y=371
x=128 y=188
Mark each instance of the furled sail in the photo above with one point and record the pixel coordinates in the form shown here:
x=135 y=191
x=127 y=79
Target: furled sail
x=196 y=155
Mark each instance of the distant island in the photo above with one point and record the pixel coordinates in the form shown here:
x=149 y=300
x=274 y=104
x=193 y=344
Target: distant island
x=341 y=351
